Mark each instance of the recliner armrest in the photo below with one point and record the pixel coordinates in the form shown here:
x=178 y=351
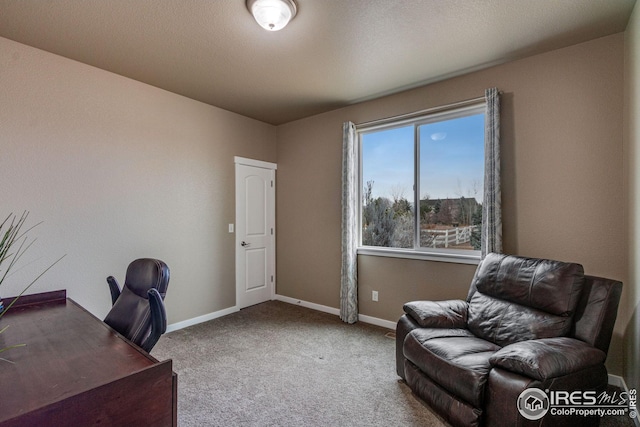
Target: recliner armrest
x=547 y=357
x=438 y=314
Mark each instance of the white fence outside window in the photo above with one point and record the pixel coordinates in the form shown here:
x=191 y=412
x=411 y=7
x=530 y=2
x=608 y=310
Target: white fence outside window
x=445 y=238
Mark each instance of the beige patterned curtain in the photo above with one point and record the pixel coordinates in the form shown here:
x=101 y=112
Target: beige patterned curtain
x=350 y=203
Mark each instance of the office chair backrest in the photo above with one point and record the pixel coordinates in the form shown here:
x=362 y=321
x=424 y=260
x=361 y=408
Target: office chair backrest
x=133 y=313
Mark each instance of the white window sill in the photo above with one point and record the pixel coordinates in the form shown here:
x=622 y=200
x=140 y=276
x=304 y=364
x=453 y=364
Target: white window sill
x=455 y=256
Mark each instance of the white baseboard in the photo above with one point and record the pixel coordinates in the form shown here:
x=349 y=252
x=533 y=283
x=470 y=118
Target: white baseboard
x=318 y=307
x=326 y=309
x=201 y=319
x=617 y=381
x=377 y=321
x=311 y=305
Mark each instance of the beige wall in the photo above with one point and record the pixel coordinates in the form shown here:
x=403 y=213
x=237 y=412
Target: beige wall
x=630 y=305
x=118 y=170
x=562 y=180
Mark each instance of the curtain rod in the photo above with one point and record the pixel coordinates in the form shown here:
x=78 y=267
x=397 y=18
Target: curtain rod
x=421 y=112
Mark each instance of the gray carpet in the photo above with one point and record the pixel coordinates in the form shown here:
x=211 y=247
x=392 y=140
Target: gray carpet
x=277 y=364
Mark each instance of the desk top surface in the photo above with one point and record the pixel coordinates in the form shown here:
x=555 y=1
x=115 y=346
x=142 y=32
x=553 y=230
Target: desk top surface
x=67 y=351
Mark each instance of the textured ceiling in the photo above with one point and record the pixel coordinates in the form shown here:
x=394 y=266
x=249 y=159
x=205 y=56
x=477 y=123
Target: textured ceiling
x=334 y=53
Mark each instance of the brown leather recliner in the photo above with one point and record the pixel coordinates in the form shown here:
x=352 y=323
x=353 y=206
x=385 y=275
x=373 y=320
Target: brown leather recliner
x=526 y=323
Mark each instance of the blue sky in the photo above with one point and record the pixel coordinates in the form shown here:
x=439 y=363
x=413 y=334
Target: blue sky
x=451 y=159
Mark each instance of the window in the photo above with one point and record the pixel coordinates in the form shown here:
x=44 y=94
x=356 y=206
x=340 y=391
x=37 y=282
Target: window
x=422 y=185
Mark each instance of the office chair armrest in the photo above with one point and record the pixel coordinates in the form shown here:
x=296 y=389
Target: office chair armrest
x=114 y=288
x=158 y=319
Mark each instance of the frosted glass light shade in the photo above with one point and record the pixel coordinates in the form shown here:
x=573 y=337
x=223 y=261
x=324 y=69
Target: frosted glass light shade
x=272 y=15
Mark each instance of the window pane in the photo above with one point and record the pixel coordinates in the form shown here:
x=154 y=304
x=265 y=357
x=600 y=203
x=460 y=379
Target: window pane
x=387 y=197
x=451 y=182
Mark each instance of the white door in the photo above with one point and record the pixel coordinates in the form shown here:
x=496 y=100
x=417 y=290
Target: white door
x=255 y=232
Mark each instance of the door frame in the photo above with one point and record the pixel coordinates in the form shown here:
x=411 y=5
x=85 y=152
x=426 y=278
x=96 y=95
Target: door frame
x=262 y=165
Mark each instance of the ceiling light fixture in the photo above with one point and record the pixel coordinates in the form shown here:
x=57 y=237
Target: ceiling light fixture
x=272 y=15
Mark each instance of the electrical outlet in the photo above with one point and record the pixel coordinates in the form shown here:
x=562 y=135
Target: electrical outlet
x=230 y=228
x=374 y=295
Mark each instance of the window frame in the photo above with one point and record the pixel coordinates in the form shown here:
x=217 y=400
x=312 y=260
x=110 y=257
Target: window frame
x=462 y=256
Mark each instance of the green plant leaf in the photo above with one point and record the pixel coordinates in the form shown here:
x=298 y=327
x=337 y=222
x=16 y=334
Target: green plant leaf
x=13 y=245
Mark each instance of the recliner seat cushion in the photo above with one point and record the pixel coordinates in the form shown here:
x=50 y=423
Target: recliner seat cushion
x=453 y=358
x=514 y=298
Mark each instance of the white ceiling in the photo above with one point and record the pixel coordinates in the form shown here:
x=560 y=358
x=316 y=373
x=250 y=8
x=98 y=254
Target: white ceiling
x=334 y=53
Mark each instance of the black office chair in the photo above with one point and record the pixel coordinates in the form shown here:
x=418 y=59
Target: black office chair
x=138 y=311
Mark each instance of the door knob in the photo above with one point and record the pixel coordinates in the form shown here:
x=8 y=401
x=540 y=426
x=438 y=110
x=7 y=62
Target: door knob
x=243 y=244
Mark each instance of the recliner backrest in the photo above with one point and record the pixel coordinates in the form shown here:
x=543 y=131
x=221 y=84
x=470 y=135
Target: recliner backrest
x=130 y=314
x=513 y=299
x=596 y=312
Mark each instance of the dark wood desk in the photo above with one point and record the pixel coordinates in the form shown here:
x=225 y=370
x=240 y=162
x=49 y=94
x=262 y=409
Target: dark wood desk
x=77 y=371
